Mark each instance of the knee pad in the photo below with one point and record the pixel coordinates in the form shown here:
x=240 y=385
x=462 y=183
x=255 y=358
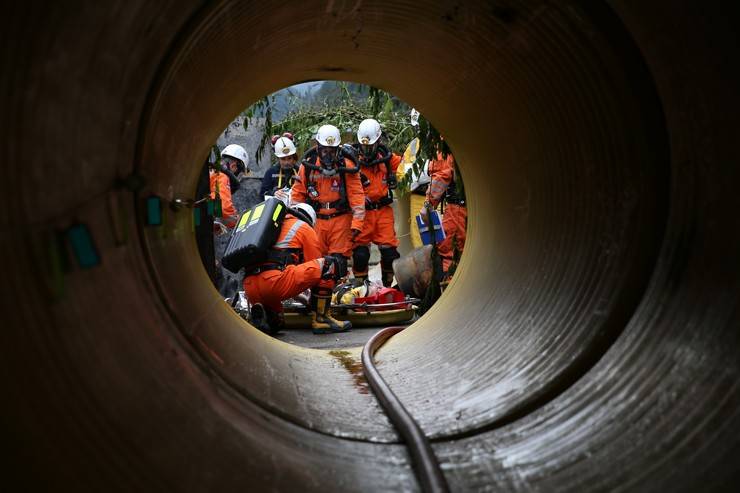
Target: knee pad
x=341 y=263
x=387 y=256
x=360 y=258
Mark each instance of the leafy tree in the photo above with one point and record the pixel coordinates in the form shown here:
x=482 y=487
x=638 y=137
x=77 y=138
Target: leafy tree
x=345 y=105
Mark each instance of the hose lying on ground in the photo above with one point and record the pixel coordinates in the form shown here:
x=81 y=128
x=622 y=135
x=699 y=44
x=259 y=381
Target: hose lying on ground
x=423 y=459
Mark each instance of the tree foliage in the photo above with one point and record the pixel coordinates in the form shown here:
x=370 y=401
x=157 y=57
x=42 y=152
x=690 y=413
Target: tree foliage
x=345 y=108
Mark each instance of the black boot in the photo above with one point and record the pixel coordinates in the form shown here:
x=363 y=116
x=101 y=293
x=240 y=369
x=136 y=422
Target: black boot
x=387 y=256
x=258 y=318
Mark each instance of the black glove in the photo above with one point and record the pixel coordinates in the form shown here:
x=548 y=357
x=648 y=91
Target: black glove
x=330 y=269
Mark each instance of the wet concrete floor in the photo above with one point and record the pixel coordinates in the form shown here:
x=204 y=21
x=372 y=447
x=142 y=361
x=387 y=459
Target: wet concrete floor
x=304 y=337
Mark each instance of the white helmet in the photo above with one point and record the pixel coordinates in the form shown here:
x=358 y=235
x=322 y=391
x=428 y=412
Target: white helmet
x=328 y=135
x=237 y=152
x=308 y=210
x=284 y=147
x=368 y=132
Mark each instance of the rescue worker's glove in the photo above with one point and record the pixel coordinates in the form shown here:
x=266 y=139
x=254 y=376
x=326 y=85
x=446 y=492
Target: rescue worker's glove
x=364 y=180
x=355 y=234
x=424 y=212
x=283 y=194
x=330 y=270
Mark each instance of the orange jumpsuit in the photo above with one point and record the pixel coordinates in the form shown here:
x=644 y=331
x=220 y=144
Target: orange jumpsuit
x=333 y=225
x=220 y=185
x=271 y=287
x=378 y=227
x=454 y=221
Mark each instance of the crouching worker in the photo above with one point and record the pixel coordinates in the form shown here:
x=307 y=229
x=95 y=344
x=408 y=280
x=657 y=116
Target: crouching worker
x=294 y=265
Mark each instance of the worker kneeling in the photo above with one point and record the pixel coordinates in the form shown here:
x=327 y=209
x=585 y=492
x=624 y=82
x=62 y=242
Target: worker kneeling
x=294 y=264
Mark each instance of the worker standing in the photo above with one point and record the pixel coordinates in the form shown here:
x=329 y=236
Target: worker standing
x=445 y=187
x=328 y=180
x=294 y=265
x=234 y=156
x=378 y=167
x=282 y=175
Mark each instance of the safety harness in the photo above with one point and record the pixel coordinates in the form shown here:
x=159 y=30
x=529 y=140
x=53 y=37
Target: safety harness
x=288 y=177
x=390 y=177
x=342 y=204
x=452 y=197
x=279 y=259
x=452 y=194
x=280 y=256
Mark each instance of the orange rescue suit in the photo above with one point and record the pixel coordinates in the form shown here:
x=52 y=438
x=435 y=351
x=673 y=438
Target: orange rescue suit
x=220 y=184
x=271 y=287
x=454 y=221
x=379 y=227
x=333 y=225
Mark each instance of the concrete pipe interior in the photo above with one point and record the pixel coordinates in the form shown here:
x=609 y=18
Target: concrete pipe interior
x=588 y=340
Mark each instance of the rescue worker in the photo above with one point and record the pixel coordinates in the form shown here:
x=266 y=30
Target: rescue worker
x=328 y=180
x=378 y=167
x=295 y=264
x=444 y=188
x=283 y=174
x=234 y=167
x=220 y=185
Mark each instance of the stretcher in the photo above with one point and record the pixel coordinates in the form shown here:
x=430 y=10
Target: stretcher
x=359 y=314
x=363 y=314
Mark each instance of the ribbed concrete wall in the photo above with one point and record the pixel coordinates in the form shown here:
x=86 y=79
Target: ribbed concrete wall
x=588 y=342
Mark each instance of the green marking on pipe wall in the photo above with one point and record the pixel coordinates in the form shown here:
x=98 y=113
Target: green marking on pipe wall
x=154 y=211
x=82 y=246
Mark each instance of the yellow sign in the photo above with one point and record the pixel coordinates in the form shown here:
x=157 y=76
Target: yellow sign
x=409 y=155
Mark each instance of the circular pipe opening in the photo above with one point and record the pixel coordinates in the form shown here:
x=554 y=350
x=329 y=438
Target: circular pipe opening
x=536 y=368
x=567 y=210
